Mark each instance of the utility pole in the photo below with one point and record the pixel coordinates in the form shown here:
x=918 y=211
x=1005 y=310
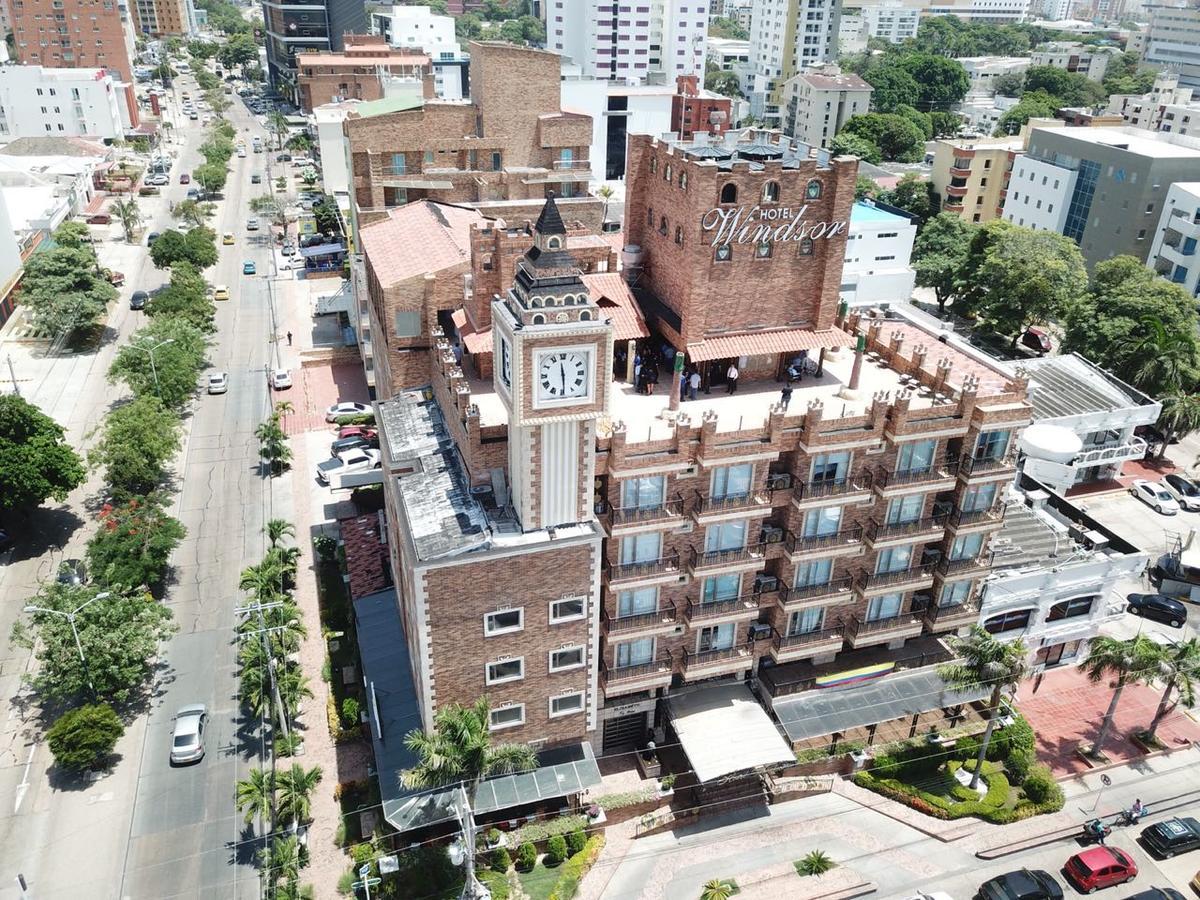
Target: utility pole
x=13 y=375
x=263 y=632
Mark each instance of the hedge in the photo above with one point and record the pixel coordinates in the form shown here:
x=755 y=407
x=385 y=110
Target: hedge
x=841 y=748
x=536 y=832
x=610 y=802
x=496 y=884
x=576 y=867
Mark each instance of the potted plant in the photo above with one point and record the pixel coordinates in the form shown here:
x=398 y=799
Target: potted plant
x=495 y=838
x=666 y=786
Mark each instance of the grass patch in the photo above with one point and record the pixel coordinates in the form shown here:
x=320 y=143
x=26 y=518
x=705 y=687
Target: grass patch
x=539 y=881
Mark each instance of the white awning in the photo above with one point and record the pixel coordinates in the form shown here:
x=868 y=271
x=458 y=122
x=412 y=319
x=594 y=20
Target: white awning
x=723 y=730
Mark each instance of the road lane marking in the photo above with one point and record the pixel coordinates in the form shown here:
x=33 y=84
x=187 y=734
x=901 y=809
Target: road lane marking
x=24 y=785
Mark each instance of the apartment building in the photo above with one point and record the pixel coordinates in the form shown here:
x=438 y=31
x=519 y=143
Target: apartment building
x=357 y=73
x=971 y=175
x=1172 y=39
x=787 y=36
x=878 y=266
x=995 y=12
x=820 y=102
x=293 y=28
x=511 y=143
x=1083 y=59
x=38 y=102
x=651 y=43
x=852 y=33
x=165 y=18
x=730 y=55
x=1173 y=253
x=697 y=111
x=416 y=28
x=1069 y=175
x=890 y=21
x=984 y=71
x=1168 y=107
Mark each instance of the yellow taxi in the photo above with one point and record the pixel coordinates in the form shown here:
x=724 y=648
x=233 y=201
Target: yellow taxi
x=227 y=240
x=221 y=292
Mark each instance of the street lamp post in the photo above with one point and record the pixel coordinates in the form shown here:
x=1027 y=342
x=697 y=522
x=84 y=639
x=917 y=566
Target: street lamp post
x=70 y=617
x=149 y=351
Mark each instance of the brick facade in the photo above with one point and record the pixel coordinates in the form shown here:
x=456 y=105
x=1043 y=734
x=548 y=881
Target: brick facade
x=357 y=72
x=694 y=110
x=97 y=38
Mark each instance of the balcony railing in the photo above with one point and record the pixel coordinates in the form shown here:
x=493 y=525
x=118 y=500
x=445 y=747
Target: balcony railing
x=878 y=531
x=572 y=165
x=963 y=517
x=985 y=465
x=636 y=515
x=851 y=534
x=958 y=566
x=832 y=487
x=664 y=615
x=751 y=553
x=859 y=627
x=938 y=471
x=645 y=569
x=835 y=586
x=660 y=665
x=1110 y=452
x=700 y=658
x=901 y=576
x=757 y=497
x=715 y=609
x=807 y=638
x=955 y=614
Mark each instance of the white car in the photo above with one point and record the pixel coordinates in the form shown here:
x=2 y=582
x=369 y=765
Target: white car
x=281 y=379
x=187 y=738
x=1153 y=494
x=936 y=895
x=347 y=464
x=252 y=224
x=346 y=409
x=159 y=180
x=218 y=382
x=1185 y=491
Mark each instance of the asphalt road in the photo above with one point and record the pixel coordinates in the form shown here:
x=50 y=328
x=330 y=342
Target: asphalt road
x=146 y=830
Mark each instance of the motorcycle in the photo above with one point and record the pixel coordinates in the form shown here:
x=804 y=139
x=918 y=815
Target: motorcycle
x=1128 y=817
x=1096 y=830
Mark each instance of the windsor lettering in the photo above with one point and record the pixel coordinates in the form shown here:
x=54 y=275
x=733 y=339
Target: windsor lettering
x=758 y=224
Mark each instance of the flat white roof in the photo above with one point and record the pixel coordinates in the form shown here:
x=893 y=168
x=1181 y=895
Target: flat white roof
x=723 y=730
x=1135 y=140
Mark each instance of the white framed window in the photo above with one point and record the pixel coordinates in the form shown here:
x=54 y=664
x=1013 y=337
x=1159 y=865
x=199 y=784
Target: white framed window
x=566 y=704
x=502 y=670
x=565 y=658
x=506 y=716
x=504 y=621
x=568 y=609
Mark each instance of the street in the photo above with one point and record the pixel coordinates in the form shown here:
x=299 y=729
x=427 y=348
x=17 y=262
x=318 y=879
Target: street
x=146 y=830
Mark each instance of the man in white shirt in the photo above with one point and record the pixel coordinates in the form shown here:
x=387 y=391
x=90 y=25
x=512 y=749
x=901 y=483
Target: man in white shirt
x=693 y=384
x=731 y=379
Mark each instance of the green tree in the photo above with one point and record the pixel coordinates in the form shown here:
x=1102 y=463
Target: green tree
x=134 y=543
x=985 y=662
x=197 y=246
x=893 y=87
x=239 y=50
x=137 y=441
x=1122 y=76
x=720 y=82
x=277 y=529
x=36 y=462
x=1124 y=662
x=254 y=795
x=186 y=297
x=1071 y=88
x=468 y=27
x=73 y=233
x=1178 y=665
x=83 y=738
x=63 y=291
x=913 y=194
x=273 y=446
x=293 y=687
x=727 y=28
x=119 y=635
x=211 y=176
x=202 y=49
x=164 y=359
x=1035 y=105
x=277 y=124
x=940 y=253
x=864 y=187
x=815 y=863
x=128 y=215
x=193 y=212
x=299 y=143
x=1180 y=417
x=1009 y=85
x=846 y=144
x=922 y=120
x=945 y=124
x=718 y=889
x=896 y=137
x=296 y=786
x=460 y=751
x=942 y=82
x=1159 y=361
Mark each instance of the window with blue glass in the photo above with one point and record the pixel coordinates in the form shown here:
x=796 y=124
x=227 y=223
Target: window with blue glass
x=1081 y=200
x=1189 y=246
x=398 y=163
x=1179 y=276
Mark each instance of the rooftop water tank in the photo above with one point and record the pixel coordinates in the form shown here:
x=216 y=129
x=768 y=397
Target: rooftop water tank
x=1050 y=442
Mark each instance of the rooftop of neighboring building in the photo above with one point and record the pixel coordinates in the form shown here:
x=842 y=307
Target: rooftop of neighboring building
x=31 y=203
x=1138 y=141
x=419 y=238
x=846 y=81
x=57 y=146
x=749 y=145
x=984 y=143
x=385 y=105
x=1064 y=386
x=864 y=213
x=365 y=542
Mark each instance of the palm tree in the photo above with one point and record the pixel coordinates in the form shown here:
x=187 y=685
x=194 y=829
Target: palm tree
x=254 y=682
x=281 y=859
x=605 y=193
x=293 y=687
x=128 y=215
x=286 y=559
x=277 y=529
x=273 y=444
x=256 y=794
x=277 y=124
x=296 y=786
x=1159 y=361
x=1180 y=417
x=264 y=581
x=459 y=752
x=1129 y=661
x=1178 y=666
x=718 y=889
x=985 y=662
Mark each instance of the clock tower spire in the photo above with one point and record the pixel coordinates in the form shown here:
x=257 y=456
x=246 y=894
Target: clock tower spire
x=552 y=365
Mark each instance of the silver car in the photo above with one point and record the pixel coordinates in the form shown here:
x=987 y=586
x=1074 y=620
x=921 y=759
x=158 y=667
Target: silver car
x=187 y=739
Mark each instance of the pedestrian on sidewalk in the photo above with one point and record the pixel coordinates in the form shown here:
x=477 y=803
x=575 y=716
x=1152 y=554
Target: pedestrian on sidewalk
x=693 y=384
x=731 y=378
x=289 y=339
x=786 y=397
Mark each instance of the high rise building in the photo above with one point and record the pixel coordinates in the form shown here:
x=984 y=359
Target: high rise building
x=820 y=102
x=1173 y=253
x=1172 y=39
x=650 y=41
x=785 y=37
x=295 y=28
x=160 y=18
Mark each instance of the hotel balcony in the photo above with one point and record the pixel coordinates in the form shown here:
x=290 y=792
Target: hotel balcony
x=914 y=578
x=938 y=476
x=960 y=169
x=952 y=618
x=851 y=488
x=738 y=559
x=987 y=468
x=791 y=599
x=387 y=175
x=958 y=569
x=699 y=664
x=715 y=509
x=964 y=521
x=641 y=624
x=636 y=518
x=1183 y=223
x=957 y=191
x=665 y=568
x=882 y=534
x=639 y=677
x=561 y=170
x=847 y=541
x=790 y=647
x=1110 y=452
x=715 y=612
x=861 y=633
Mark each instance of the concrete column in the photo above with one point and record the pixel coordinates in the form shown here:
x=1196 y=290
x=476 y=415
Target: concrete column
x=630 y=353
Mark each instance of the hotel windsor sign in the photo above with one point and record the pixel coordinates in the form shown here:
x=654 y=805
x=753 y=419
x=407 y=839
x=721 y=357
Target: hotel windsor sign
x=765 y=224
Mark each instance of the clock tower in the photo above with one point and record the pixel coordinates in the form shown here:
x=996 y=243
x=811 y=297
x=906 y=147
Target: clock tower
x=552 y=364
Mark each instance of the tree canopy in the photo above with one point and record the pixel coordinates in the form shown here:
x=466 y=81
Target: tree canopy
x=63 y=291
x=896 y=137
x=847 y=144
x=721 y=82
x=185 y=296
x=940 y=253
x=1033 y=105
x=198 y=246
x=137 y=441
x=171 y=373
x=35 y=460
x=134 y=542
x=893 y=87
x=83 y=738
x=1070 y=88
x=727 y=28
x=941 y=82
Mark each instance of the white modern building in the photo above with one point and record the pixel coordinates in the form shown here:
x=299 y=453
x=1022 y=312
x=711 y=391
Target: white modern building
x=331 y=144
x=1039 y=194
x=1053 y=10
x=985 y=70
x=787 y=36
x=1173 y=253
x=852 y=34
x=992 y=12
x=40 y=102
x=981 y=114
x=1083 y=59
x=891 y=21
x=817 y=103
x=878 y=256
x=416 y=27
x=650 y=44
x=1169 y=107
x=1172 y=39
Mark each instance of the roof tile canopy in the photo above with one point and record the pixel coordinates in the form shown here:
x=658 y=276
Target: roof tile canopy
x=419 y=238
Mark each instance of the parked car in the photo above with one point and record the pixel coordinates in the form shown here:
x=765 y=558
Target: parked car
x=159 y=180
x=193 y=194
x=1185 y=491
x=72 y=572
x=283 y=157
x=227 y=239
x=187 y=737
x=1026 y=884
x=1157 y=893
x=1036 y=339
x=288 y=249
x=218 y=383
x=151 y=238
x=342 y=445
x=1172 y=837
x=99 y=219
x=1154 y=495
x=256 y=178
x=185 y=178
x=138 y=300
x=1158 y=608
x=248 y=267
x=252 y=224
x=221 y=292
x=1100 y=867
x=346 y=409
x=281 y=379
x=367 y=431
x=351 y=462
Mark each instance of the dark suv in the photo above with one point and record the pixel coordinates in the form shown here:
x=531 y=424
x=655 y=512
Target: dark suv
x=1165 y=839
x=1157 y=607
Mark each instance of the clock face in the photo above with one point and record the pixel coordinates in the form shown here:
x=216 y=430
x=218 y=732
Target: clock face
x=563 y=375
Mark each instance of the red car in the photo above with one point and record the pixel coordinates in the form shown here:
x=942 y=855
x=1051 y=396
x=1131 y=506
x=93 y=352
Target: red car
x=185 y=178
x=363 y=431
x=1100 y=867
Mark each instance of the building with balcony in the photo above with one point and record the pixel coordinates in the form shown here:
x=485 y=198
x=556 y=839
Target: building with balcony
x=786 y=37
x=971 y=175
x=357 y=73
x=41 y=103
x=819 y=102
x=891 y=21
x=503 y=151
x=1084 y=59
x=1173 y=253
x=1172 y=39
x=1055 y=575
x=418 y=29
